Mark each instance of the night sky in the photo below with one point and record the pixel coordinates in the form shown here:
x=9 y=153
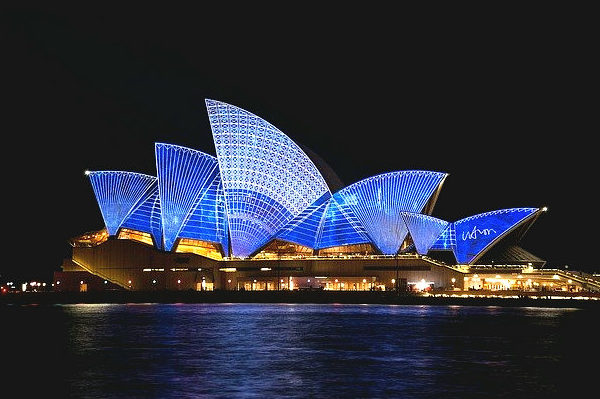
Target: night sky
x=504 y=106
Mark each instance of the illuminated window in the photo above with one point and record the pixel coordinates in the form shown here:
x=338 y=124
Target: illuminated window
x=279 y=248
x=127 y=234
x=204 y=248
x=354 y=249
x=90 y=239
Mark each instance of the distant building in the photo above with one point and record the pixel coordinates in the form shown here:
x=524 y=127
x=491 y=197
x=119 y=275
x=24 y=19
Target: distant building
x=264 y=215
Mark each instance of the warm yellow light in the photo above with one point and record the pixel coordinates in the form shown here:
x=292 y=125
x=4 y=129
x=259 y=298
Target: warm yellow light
x=364 y=280
x=393 y=281
x=453 y=280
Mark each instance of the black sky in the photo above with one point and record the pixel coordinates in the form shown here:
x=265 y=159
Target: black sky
x=502 y=100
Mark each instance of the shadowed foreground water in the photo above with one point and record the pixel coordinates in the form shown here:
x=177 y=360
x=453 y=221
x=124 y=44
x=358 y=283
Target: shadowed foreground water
x=283 y=350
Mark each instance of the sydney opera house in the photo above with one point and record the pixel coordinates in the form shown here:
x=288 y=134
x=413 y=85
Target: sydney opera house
x=268 y=214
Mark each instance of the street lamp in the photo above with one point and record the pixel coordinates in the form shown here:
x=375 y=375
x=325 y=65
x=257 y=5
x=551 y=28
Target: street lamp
x=396 y=281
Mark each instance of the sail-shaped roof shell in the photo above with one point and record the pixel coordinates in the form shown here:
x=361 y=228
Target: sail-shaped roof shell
x=184 y=177
x=118 y=193
x=267 y=179
x=378 y=201
x=476 y=234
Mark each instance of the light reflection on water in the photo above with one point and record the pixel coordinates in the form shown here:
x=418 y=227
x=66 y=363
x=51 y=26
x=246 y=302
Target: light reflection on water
x=283 y=350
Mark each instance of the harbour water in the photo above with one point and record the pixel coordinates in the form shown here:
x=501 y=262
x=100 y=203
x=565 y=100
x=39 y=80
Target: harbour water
x=297 y=350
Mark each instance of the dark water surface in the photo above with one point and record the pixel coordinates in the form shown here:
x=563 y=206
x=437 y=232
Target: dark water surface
x=284 y=350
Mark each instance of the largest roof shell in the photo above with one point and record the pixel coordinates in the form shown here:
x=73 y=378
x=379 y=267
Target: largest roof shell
x=267 y=179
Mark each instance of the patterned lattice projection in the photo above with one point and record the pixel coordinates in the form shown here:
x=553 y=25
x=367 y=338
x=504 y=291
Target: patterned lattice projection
x=379 y=200
x=340 y=227
x=184 y=175
x=423 y=229
x=304 y=228
x=267 y=179
x=476 y=234
x=207 y=220
x=146 y=216
x=118 y=193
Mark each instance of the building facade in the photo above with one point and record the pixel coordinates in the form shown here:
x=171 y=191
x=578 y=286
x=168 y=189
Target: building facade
x=266 y=214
